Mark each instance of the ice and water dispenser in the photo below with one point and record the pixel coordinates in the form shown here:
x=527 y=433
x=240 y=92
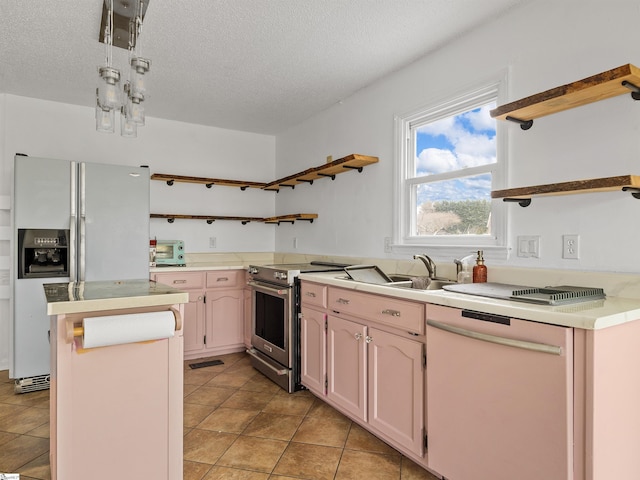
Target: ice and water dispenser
x=43 y=253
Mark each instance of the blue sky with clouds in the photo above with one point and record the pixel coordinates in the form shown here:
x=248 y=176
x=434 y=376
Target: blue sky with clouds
x=453 y=143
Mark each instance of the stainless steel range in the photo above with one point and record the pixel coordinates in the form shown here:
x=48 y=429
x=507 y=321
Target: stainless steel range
x=275 y=304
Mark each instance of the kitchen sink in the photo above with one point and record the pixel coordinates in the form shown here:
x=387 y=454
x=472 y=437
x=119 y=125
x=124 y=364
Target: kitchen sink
x=399 y=280
x=404 y=281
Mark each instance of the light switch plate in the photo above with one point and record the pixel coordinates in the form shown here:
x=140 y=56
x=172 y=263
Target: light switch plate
x=529 y=246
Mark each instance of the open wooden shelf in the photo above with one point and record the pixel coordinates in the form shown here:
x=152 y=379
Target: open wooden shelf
x=620 y=80
x=523 y=195
x=328 y=170
x=292 y=218
x=208 y=182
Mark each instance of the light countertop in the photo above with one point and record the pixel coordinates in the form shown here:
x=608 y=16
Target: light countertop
x=75 y=297
x=196 y=268
x=591 y=315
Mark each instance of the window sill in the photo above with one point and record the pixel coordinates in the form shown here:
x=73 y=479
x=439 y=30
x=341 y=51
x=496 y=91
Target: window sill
x=449 y=252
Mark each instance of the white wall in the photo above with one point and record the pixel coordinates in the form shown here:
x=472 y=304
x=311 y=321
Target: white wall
x=55 y=130
x=541 y=45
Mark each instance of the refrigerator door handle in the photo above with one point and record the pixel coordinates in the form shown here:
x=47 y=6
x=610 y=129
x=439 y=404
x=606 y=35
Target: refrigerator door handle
x=73 y=224
x=72 y=248
x=82 y=217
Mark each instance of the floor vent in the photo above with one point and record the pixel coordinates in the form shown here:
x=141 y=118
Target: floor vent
x=32 y=384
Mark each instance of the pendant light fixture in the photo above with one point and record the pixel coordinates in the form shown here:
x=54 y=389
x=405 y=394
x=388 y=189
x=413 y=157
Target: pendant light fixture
x=126 y=97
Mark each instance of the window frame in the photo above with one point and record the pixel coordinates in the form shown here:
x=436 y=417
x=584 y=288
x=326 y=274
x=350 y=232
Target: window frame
x=448 y=246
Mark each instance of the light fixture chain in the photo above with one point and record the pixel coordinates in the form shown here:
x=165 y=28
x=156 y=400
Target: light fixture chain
x=110 y=42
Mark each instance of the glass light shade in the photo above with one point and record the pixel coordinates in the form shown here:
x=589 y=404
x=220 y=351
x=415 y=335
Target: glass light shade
x=105 y=120
x=135 y=111
x=139 y=68
x=109 y=94
x=127 y=127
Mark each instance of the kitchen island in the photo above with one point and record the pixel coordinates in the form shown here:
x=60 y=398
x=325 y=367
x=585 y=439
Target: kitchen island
x=508 y=389
x=116 y=380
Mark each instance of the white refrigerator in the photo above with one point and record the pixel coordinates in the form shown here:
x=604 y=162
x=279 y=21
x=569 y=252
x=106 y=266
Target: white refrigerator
x=104 y=210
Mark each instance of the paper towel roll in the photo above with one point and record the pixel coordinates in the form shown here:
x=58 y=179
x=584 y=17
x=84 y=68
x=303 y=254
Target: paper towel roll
x=131 y=328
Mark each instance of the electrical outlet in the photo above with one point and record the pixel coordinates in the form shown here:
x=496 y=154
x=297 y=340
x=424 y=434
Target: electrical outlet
x=212 y=242
x=571 y=246
x=387 y=244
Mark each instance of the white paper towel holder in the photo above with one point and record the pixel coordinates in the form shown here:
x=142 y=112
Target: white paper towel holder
x=73 y=330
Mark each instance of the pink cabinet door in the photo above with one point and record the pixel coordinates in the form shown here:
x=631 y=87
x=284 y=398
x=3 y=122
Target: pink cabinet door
x=500 y=397
x=313 y=344
x=225 y=326
x=193 y=323
x=396 y=388
x=347 y=365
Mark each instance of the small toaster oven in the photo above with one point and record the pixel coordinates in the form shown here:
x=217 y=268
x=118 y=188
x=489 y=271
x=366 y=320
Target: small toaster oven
x=170 y=253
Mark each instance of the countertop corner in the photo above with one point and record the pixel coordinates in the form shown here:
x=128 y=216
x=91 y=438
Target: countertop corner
x=75 y=297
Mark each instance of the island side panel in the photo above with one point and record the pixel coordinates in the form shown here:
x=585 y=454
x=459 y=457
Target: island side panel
x=129 y=397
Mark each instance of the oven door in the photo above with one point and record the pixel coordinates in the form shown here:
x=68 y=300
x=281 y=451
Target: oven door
x=272 y=309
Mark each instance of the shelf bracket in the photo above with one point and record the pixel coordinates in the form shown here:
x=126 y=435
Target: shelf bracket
x=244 y=222
x=635 y=90
x=171 y=220
x=635 y=192
x=524 y=124
x=210 y=221
x=332 y=177
x=523 y=202
x=243 y=188
x=310 y=182
x=208 y=185
x=169 y=182
x=353 y=168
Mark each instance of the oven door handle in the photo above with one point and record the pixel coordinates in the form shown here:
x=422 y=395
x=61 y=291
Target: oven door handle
x=275 y=291
x=253 y=353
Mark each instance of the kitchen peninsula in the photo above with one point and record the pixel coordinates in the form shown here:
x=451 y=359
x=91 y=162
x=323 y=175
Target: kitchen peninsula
x=517 y=390
x=116 y=379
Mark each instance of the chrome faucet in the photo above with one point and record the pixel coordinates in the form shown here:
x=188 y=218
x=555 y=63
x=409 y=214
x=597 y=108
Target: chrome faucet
x=458 y=266
x=430 y=264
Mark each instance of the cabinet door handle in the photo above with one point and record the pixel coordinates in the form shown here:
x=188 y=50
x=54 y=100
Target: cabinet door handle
x=509 y=342
x=222 y=279
x=179 y=281
x=344 y=301
x=310 y=294
x=393 y=313
x=358 y=336
x=200 y=298
x=368 y=339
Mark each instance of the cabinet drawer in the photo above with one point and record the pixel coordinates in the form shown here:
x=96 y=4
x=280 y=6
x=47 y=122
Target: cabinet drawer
x=224 y=278
x=181 y=280
x=394 y=312
x=313 y=294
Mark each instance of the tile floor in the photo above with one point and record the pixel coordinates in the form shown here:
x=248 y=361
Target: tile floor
x=237 y=425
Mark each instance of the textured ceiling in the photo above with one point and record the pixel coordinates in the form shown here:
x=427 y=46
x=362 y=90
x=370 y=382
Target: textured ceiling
x=252 y=65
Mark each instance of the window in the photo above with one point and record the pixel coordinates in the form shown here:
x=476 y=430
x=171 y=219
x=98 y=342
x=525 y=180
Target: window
x=448 y=161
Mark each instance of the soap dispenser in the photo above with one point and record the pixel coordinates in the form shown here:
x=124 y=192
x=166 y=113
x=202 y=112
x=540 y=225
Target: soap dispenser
x=466 y=269
x=480 y=269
